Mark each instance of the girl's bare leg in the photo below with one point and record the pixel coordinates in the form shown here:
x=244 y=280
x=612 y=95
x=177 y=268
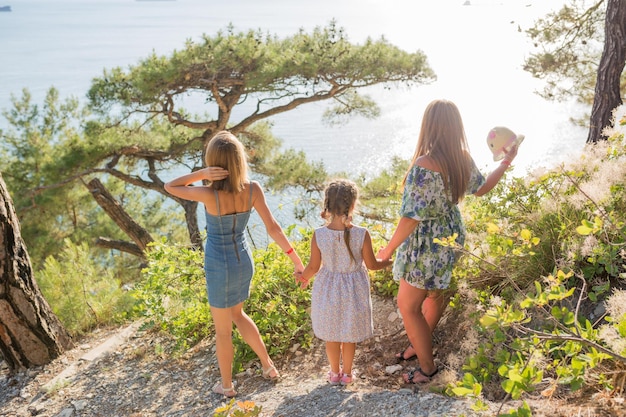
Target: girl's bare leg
x=333 y=353
x=347 y=356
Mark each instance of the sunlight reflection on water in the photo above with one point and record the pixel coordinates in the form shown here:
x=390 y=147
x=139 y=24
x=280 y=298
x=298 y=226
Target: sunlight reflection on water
x=476 y=51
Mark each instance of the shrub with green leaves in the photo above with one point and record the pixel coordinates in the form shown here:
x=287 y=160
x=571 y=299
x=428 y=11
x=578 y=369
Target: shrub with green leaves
x=173 y=297
x=544 y=253
x=172 y=293
x=280 y=309
x=82 y=292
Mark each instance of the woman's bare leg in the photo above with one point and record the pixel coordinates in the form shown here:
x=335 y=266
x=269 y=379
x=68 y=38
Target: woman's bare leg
x=410 y=301
x=250 y=334
x=224 y=351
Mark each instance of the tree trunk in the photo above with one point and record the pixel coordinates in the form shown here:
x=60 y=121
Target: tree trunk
x=30 y=333
x=191 y=216
x=607 y=93
x=115 y=211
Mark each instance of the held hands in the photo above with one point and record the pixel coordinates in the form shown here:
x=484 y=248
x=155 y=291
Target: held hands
x=297 y=274
x=299 y=279
x=383 y=255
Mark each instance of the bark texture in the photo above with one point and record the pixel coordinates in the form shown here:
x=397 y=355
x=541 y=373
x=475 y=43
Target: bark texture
x=116 y=212
x=607 y=93
x=30 y=333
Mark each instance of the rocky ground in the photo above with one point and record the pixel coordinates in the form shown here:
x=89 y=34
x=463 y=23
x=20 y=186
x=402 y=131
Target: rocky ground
x=124 y=372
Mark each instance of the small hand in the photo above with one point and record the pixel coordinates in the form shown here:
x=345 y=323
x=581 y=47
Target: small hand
x=303 y=282
x=510 y=154
x=215 y=173
x=382 y=255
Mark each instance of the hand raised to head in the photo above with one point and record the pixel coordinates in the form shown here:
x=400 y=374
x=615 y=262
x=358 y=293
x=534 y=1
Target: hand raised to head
x=215 y=173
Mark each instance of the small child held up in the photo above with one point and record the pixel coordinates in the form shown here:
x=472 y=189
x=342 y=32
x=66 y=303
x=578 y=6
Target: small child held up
x=341 y=254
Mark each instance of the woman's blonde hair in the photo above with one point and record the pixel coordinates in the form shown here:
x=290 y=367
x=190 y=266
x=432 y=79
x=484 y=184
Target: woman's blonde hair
x=340 y=198
x=442 y=137
x=224 y=150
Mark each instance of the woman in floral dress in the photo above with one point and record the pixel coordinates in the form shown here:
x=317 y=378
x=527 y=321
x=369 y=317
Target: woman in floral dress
x=441 y=173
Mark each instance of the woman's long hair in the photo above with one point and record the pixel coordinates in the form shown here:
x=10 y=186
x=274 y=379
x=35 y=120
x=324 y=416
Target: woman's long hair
x=224 y=150
x=442 y=137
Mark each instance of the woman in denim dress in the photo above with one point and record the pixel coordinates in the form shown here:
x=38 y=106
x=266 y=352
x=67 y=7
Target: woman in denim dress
x=228 y=200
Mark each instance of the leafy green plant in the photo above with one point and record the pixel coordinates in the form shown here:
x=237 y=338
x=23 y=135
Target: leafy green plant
x=82 y=292
x=542 y=253
x=382 y=281
x=173 y=298
x=277 y=305
x=172 y=294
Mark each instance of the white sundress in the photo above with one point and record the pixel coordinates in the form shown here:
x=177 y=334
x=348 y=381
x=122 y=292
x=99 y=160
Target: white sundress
x=341 y=308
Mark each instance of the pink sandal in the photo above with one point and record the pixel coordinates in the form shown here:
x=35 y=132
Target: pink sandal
x=334 y=378
x=346 y=379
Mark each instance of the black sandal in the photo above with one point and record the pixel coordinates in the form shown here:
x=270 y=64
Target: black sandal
x=418 y=371
x=400 y=356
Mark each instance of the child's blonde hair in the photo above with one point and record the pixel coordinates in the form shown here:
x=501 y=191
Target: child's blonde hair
x=442 y=137
x=340 y=198
x=224 y=150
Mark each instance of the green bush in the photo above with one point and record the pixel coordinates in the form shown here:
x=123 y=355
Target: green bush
x=173 y=297
x=82 y=292
x=172 y=293
x=543 y=254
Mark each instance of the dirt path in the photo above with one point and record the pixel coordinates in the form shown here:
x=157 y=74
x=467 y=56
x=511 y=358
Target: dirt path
x=122 y=372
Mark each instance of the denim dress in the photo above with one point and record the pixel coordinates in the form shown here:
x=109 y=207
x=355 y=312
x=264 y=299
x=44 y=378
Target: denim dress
x=228 y=262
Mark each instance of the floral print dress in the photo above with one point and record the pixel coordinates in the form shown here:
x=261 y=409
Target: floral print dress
x=419 y=261
x=341 y=303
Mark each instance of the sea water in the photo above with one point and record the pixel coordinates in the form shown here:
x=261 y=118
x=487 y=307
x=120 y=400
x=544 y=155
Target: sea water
x=476 y=48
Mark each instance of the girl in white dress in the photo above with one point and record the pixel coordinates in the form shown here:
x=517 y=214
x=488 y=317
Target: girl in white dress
x=341 y=254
